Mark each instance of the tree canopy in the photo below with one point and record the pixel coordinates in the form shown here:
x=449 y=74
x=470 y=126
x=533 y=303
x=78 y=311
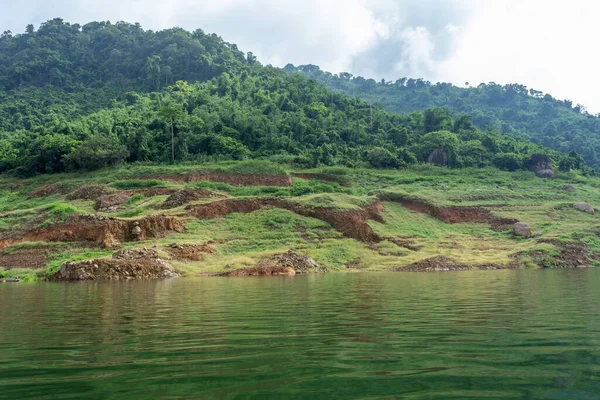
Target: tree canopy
x=512 y=109
x=85 y=97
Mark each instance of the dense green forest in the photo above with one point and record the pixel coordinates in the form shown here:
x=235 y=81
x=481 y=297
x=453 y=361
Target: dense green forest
x=512 y=109
x=86 y=97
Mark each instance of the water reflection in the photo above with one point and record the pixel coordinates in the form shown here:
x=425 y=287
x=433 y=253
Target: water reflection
x=500 y=334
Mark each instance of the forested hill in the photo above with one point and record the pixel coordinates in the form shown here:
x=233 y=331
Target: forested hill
x=85 y=97
x=512 y=109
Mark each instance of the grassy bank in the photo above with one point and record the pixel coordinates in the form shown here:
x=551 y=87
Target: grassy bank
x=304 y=216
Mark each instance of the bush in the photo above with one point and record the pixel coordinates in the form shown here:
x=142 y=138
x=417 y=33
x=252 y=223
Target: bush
x=257 y=167
x=508 y=162
x=97 y=152
x=381 y=158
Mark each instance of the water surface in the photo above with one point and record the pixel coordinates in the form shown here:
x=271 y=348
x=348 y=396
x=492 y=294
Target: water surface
x=464 y=335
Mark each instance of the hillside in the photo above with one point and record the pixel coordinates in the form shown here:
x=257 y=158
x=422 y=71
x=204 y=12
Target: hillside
x=187 y=157
x=512 y=109
x=233 y=217
x=85 y=97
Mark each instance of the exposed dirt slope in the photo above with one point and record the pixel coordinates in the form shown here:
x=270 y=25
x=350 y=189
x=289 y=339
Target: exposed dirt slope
x=34 y=258
x=49 y=190
x=115 y=269
x=456 y=215
x=352 y=223
x=185 y=196
x=125 y=265
x=106 y=232
x=189 y=252
x=118 y=198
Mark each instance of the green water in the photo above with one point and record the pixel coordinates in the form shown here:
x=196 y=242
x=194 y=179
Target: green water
x=498 y=335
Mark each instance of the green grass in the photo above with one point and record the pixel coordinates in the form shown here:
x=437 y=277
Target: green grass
x=138 y=184
x=243 y=239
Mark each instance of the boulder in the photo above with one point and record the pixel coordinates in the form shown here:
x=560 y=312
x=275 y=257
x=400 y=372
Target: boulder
x=584 y=207
x=522 y=229
x=542 y=166
x=438 y=157
x=545 y=173
x=569 y=188
x=136 y=254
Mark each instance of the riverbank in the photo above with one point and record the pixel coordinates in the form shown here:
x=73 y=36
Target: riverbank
x=219 y=218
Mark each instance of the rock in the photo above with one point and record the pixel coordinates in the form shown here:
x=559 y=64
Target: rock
x=569 y=188
x=443 y=187
x=438 y=157
x=545 y=173
x=584 y=207
x=112 y=209
x=109 y=241
x=136 y=231
x=290 y=263
x=118 y=269
x=542 y=166
x=522 y=229
x=136 y=254
x=302 y=264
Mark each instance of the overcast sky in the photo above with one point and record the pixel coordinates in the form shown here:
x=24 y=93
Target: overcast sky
x=549 y=45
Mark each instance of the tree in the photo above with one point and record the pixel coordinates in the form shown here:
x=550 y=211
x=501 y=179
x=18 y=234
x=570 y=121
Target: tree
x=97 y=152
x=379 y=157
x=169 y=114
x=442 y=140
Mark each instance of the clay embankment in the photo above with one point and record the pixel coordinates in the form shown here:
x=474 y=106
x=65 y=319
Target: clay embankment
x=455 y=215
x=116 y=199
x=34 y=258
x=352 y=223
x=189 y=252
x=232 y=179
x=106 y=232
x=125 y=265
x=185 y=196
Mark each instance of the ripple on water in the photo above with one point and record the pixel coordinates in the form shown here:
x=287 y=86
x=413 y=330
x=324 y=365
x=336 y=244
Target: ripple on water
x=496 y=334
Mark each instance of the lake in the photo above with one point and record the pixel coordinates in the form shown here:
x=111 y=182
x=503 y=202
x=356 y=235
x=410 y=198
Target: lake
x=462 y=335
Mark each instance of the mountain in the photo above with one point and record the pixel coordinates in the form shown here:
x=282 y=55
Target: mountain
x=89 y=96
x=512 y=109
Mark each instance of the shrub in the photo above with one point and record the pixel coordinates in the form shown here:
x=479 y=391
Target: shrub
x=97 y=152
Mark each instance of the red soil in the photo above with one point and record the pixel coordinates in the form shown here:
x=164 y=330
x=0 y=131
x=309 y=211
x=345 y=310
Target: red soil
x=189 y=252
x=352 y=223
x=34 y=258
x=118 y=198
x=106 y=232
x=458 y=215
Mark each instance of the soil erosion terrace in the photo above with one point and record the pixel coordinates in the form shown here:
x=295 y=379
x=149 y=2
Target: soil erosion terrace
x=429 y=219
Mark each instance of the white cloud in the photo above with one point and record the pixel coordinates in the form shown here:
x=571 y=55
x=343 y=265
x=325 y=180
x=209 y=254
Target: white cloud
x=544 y=45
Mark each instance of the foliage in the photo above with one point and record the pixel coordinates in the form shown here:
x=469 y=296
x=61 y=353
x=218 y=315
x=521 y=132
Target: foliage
x=78 y=97
x=511 y=109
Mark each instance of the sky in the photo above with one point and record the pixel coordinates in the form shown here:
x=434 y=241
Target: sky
x=548 y=45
